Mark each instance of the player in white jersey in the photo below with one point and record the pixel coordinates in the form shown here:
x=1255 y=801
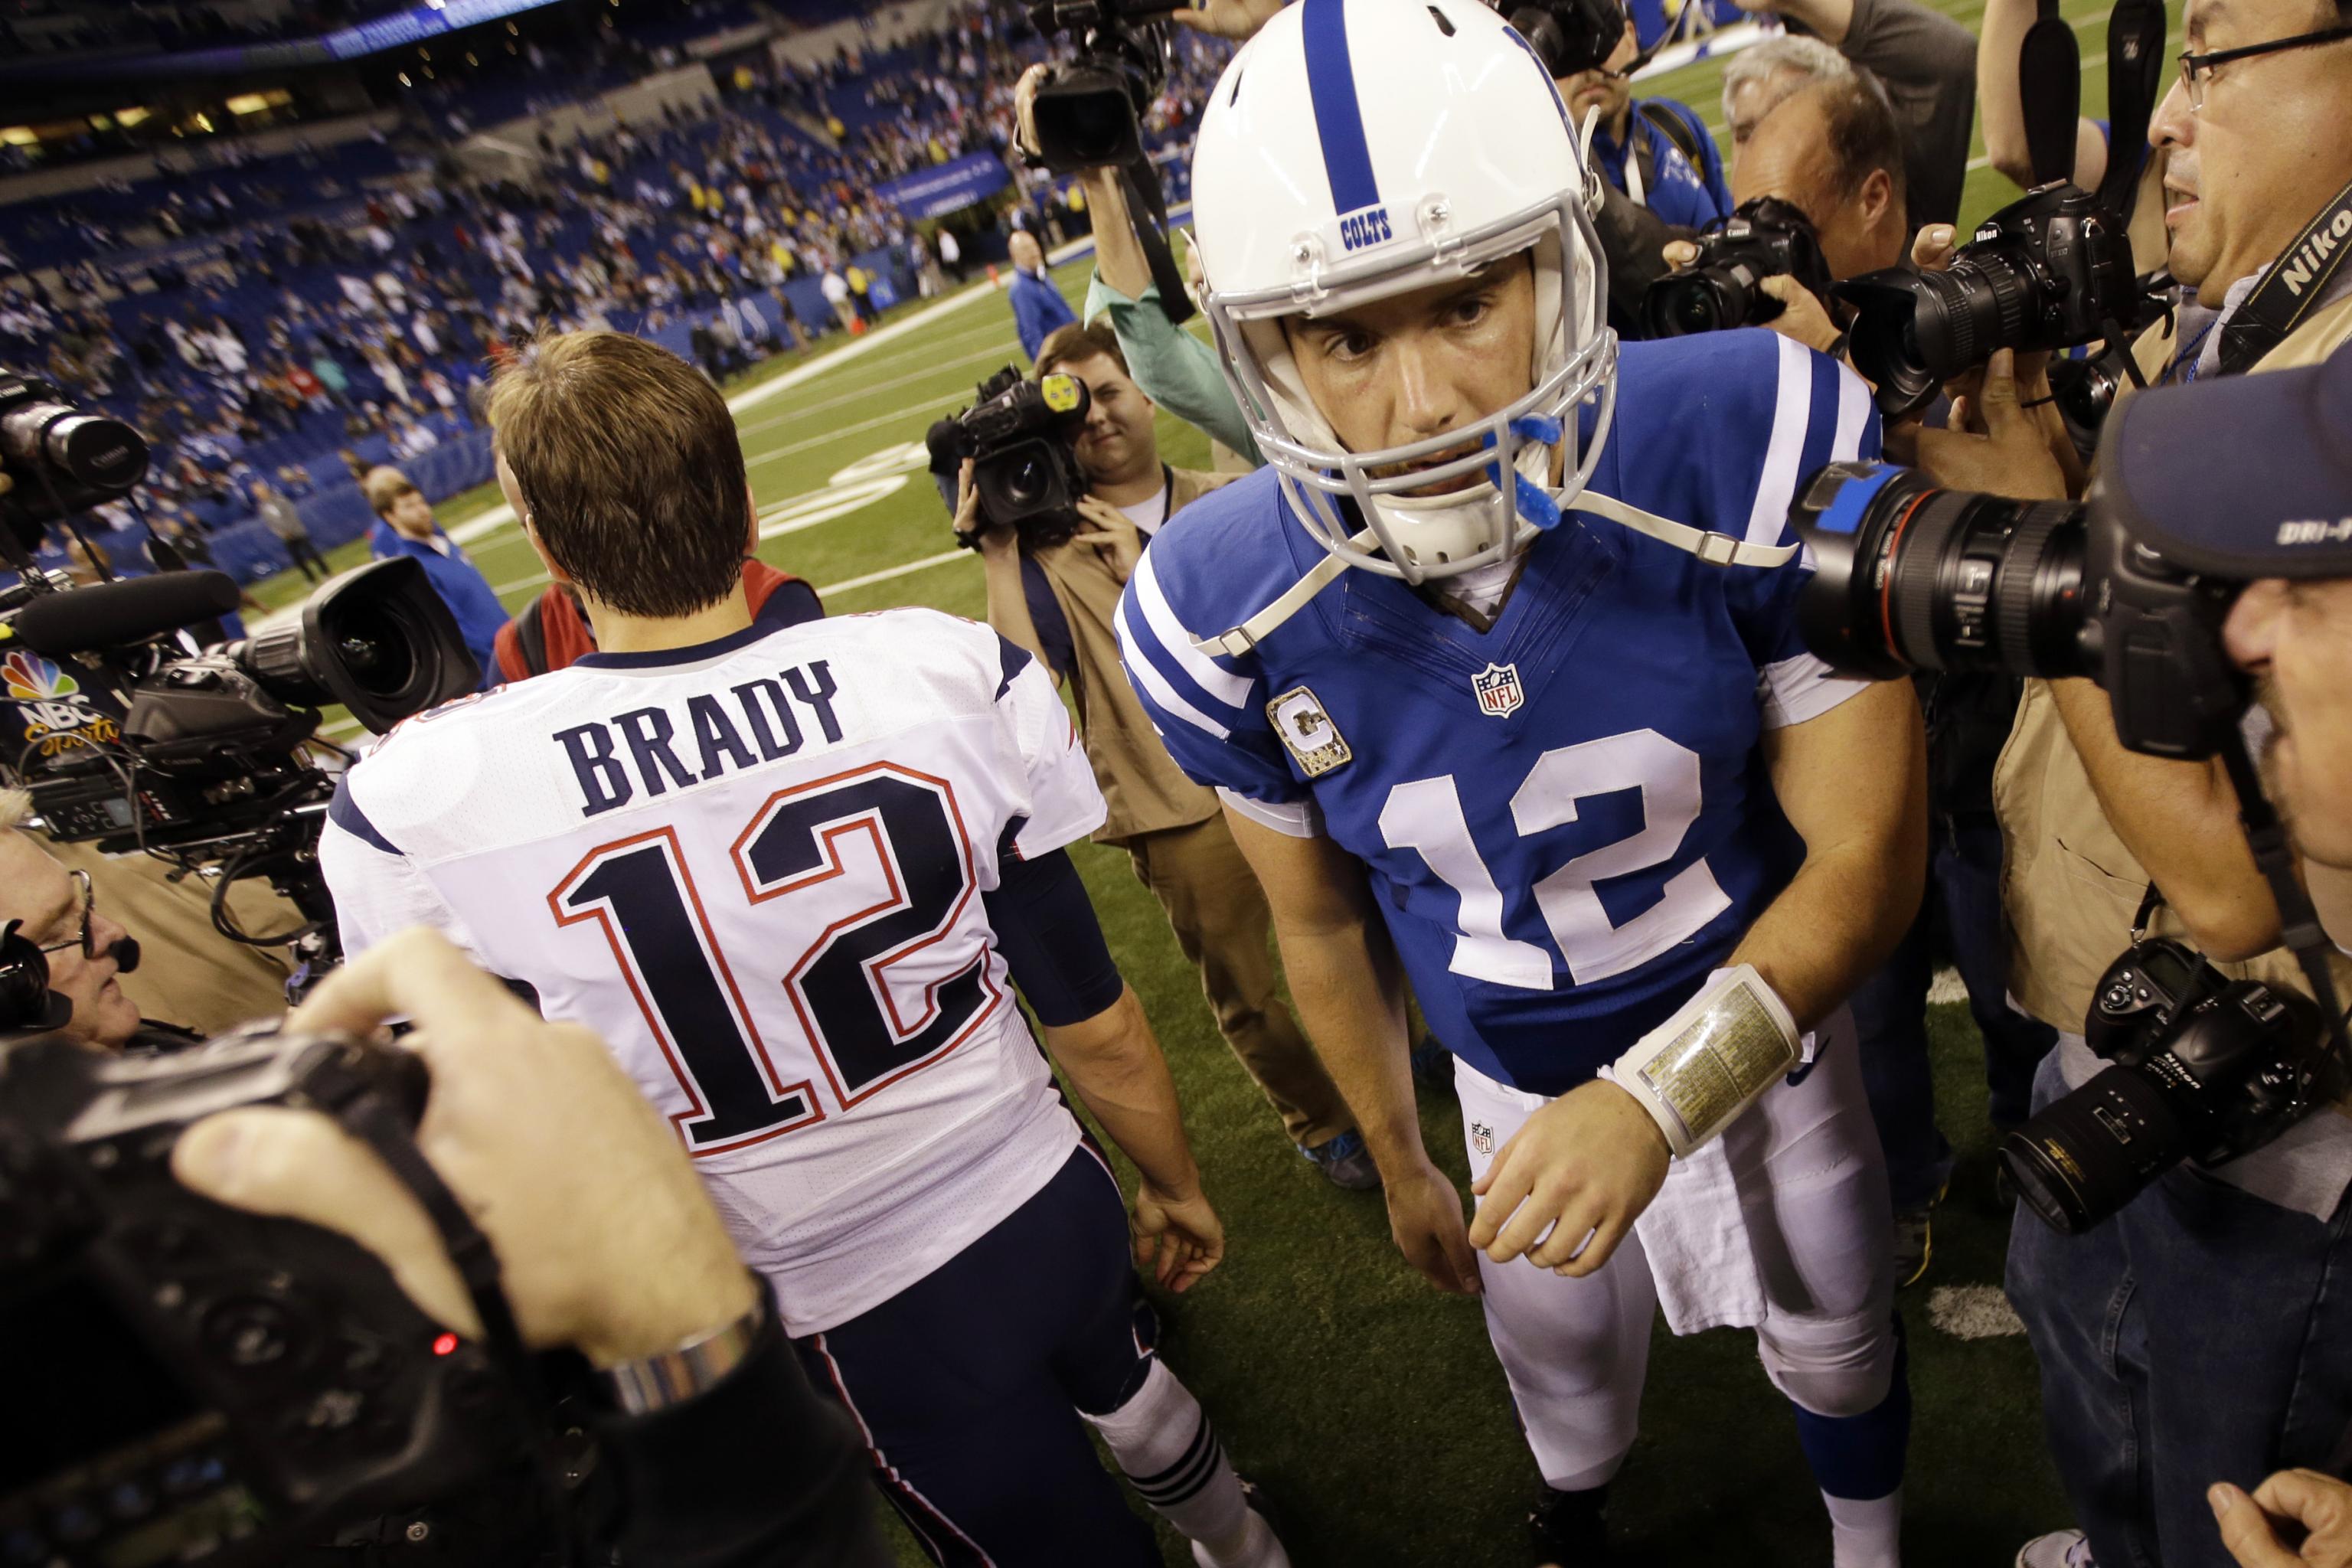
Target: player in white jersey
x=791 y=875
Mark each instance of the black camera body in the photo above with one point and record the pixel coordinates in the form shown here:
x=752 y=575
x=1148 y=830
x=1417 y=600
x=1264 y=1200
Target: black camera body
x=2051 y=270
x=59 y=458
x=2205 y=1068
x=1019 y=438
x=1911 y=577
x=191 y=1381
x=1571 y=36
x=1088 y=110
x=1766 y=238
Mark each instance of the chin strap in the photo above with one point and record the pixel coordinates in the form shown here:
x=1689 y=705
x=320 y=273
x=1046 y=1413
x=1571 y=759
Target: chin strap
x=1536 y=505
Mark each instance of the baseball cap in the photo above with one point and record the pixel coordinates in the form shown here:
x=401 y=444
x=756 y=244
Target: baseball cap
x=2239 y=477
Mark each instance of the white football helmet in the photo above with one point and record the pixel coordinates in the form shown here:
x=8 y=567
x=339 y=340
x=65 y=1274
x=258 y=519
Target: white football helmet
x=1358 y=149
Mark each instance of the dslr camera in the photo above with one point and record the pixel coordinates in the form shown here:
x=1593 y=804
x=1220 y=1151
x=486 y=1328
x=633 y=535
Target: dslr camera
x=2052 y=270
x=1766 y=238
x=191 y=1382
x=1088 y=110
x=1913 y=577
x=1019 y=439
x=2205 y=1068
x=60 y=460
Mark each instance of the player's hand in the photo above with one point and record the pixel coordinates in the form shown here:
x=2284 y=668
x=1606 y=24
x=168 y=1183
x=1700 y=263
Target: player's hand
x=1584 y=1166
x=1994 y=442
x=1236 y=19
x=995 y=539
x=606 y=1238
x=1425 y=1217
x=2297 y=1518
x=1176 y=1239
x=1109 y=531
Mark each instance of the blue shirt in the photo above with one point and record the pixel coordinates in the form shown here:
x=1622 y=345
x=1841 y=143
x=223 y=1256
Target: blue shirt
x=1567 y=820
x=461 y=586
x=1680 y=193
x=1037 y=309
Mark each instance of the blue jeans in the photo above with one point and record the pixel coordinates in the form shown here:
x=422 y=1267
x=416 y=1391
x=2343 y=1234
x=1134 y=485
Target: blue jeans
x=2201 y=1335
x=1890 y=1013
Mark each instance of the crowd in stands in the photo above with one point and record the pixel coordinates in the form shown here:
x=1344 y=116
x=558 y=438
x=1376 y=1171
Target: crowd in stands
x=356 y=324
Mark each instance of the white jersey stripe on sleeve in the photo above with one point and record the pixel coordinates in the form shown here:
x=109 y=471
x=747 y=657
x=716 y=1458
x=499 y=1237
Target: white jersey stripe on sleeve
x=1852 y=416
x=1232 y=690
x=1154 y=685
x=1777 y=486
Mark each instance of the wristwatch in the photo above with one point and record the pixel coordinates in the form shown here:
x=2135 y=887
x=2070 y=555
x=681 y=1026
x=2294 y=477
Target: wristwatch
x=674 y=1376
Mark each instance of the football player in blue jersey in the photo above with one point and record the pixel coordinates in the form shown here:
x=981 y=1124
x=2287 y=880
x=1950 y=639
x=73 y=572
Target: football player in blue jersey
x=1496 y=668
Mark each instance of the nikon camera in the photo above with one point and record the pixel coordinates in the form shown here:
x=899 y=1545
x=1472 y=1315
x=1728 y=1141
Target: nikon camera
x=2052 y=270
x=1766 y=238
x=1019 y=438
x=189 y=1382
x=2205 y=1068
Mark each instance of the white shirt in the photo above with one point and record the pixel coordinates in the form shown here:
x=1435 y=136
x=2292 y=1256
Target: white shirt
x=756 y=869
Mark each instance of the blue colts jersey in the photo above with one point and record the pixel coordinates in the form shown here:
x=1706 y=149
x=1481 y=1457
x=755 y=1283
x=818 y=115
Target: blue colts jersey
x=1566 y=820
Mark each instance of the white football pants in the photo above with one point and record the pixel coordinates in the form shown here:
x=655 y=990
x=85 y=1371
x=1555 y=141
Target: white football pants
x=1813 y=1193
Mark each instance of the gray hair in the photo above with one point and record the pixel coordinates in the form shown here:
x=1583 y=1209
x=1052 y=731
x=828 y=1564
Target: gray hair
x=1807 y=61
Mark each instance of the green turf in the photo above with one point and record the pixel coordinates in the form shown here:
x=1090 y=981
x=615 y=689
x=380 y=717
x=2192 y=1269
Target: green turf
x=1369 y=1405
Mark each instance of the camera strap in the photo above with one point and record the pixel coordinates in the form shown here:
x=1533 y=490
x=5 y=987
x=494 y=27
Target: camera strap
x=2298 y=282
x=2300 y=931
x=376 y=1120
x=2135 y=71
x=1147 y=207
x=2049 y=89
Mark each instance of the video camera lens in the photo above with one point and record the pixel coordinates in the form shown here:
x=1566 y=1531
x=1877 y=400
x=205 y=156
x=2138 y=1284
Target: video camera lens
x=61 y=458
x=381 y=643
x=1086 y=118
x=1909 y=576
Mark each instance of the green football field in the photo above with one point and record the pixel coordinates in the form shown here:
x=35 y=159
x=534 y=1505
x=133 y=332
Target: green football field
x=1366 y=1404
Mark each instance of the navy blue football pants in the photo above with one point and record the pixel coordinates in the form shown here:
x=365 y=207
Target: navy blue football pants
x=968 y=1385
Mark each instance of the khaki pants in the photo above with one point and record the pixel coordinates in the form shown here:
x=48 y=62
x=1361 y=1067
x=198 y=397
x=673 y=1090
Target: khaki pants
x=1221 y=922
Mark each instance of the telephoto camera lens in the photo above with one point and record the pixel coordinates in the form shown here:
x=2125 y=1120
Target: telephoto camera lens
x=2089 y=1153
x=1915 y=330
x=1911 y=577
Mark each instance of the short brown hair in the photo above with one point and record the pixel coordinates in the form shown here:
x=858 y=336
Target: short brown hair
x=1074 y=343
x=383 y=487
x=1863 y=135
x=629 y=467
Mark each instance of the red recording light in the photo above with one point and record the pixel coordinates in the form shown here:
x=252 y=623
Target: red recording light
x=446 y=1344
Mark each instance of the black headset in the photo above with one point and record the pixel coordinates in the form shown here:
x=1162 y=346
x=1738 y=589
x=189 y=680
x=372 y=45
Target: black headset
x=25 y=1000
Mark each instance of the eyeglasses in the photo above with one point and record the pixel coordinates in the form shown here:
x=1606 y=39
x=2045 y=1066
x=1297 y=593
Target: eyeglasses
x=89 y=902
x=2195 y=68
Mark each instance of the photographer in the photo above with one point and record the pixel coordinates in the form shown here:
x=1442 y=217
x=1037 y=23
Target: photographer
x=2211 y=1281
x=1038 y=306
x=1057 y=598
x=533 y=1128
x=1662 y=175
x=1924 y=61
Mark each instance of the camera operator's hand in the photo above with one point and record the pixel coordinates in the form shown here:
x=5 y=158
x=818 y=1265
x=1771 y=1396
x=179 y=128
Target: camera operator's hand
x=1024 y=108
x=994 y=538
x=1109 y=531
x=1236 y=19
x=605 y=1237
x=1995 y=443
x=2304 y=1507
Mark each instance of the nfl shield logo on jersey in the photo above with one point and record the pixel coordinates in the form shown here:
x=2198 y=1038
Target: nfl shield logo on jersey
x=1497 y=687
x=1482 y=1137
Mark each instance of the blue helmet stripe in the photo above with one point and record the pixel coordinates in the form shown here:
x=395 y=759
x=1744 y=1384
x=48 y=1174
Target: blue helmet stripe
x=1338 y=118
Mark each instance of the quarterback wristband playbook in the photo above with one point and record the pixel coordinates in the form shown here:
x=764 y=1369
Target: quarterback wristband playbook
x=1708 y=1063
